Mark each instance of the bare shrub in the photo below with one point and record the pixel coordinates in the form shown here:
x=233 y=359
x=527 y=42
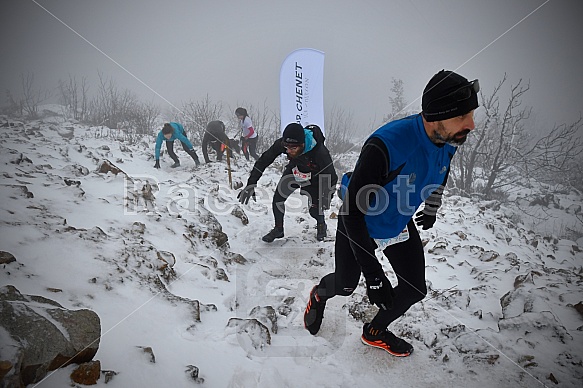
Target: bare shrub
x=494 y=150
x=145 y=117
x=557 y=157
x=112 y=106
x=339 y=130
x=31 y=98
x=195 y=115
x=73 y=95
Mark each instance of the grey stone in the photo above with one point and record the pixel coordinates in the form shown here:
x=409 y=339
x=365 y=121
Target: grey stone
x=42 y=336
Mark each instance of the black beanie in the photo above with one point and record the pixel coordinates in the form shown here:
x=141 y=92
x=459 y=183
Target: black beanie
x=437 y=105
x=294 y=134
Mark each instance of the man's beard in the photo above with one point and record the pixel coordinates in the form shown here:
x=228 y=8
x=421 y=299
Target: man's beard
x=459 y=138
x=455 y=140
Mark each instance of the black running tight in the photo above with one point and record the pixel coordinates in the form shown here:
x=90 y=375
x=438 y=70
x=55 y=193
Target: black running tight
x=406 y=258
x=172 y=154
x=285 y=187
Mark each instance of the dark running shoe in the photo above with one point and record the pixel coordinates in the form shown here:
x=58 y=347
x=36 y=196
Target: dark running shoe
x=176 y=164
x=273 y=234
x=384 y=339
x=314 y=312
x=321 y=232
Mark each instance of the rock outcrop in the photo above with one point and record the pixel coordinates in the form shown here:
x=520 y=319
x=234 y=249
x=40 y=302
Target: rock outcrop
x=38 y=335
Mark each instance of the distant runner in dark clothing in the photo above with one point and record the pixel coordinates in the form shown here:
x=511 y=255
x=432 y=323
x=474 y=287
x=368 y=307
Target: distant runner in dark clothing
x=215 y=137
x=310 y=169
x=403 y=164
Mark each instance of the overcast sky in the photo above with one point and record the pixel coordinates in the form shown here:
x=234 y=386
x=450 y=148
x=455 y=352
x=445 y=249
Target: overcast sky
x=232 y=50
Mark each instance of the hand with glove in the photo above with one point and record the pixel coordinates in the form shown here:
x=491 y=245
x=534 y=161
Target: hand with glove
x=157 y=165
x=380 y=291
x=426 y=217
x=246 y=193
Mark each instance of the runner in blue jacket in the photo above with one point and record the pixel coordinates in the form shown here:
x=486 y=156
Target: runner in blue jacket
x=403 y=164
x=170 y=132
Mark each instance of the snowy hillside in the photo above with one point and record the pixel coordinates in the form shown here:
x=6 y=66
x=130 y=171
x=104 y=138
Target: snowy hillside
x=185 y=272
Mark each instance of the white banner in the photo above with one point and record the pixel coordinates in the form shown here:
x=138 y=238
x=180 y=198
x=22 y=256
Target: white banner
x=301 y=88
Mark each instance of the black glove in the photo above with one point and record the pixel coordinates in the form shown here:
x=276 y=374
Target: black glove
x=246 y=193
x=426 y=217
x=380 y=291
x=157 y=165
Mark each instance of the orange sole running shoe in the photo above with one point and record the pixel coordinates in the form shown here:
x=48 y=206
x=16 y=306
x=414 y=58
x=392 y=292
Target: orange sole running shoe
x=386 y=340
x=314 y=312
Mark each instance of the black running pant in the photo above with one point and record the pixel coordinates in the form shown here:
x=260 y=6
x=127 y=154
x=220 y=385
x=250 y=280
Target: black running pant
x=249 y=146
x=285 y=187
x=172 y=154
x=406 y=258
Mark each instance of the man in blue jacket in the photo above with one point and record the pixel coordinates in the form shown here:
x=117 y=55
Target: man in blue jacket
x=402 y=164
x=169 y=133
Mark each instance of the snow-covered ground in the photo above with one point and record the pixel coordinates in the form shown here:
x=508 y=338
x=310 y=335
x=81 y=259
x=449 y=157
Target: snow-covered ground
x=500 y=311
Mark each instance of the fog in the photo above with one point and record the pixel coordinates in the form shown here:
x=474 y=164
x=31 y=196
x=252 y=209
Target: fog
x=175 y=51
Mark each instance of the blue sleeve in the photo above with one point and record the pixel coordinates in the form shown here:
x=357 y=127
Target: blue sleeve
x=159 y=140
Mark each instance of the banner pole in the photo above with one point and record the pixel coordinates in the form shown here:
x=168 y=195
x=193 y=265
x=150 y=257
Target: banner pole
x=229 y=166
